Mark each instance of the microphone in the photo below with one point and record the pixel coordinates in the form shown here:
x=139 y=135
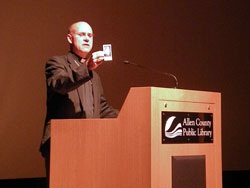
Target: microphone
x=153 y=70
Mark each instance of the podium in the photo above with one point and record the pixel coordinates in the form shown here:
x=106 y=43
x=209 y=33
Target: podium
x=162 y=138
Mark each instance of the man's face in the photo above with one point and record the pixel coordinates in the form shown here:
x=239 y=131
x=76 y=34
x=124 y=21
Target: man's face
x=81 y=38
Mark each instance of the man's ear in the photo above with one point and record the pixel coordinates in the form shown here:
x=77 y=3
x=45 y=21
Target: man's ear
x=69 y=38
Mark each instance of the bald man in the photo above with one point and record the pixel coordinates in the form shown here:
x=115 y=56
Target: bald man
x=74 y=89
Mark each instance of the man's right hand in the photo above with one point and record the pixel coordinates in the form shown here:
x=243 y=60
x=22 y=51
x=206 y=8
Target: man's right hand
x=95 y=60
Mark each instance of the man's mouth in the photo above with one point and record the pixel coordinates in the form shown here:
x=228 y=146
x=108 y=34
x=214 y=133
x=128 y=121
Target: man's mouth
x=85 y=44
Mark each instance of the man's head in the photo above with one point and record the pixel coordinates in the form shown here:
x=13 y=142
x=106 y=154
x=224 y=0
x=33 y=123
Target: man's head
x=80 y=38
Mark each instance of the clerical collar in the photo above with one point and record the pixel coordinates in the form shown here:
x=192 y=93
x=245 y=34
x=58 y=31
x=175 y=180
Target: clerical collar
x=78 y=57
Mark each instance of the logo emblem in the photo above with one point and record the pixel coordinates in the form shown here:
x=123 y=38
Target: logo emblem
x=177 y=130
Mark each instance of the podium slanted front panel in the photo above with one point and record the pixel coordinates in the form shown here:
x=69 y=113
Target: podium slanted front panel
x=170 y=101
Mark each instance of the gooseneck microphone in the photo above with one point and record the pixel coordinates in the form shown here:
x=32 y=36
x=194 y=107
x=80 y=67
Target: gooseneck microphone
x=153 y=70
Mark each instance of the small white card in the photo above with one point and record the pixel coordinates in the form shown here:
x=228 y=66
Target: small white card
x=107 y=49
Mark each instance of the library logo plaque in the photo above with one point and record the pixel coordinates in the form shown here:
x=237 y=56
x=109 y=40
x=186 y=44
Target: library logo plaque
x=187 y=127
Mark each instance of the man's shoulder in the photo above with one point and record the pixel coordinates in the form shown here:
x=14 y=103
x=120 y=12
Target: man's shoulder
x=61 y=59
x=64 y=57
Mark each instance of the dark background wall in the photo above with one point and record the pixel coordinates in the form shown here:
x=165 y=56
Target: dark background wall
x=204 y=43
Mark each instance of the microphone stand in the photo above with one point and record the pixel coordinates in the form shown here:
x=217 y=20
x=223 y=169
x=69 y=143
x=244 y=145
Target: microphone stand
x=153 y=70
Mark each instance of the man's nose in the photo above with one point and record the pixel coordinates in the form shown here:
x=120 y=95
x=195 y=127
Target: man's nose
x=86 y=39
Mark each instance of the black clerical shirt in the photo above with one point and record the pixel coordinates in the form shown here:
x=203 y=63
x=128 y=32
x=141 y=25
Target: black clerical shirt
x=87 y=88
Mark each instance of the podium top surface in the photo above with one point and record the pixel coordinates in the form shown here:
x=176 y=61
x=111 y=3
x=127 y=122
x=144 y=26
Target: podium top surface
x=165 y=94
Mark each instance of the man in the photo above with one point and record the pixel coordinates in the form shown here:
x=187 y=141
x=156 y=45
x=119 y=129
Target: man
x=74 y=89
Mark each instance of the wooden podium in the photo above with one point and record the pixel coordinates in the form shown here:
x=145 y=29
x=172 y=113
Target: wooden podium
x=128 y=152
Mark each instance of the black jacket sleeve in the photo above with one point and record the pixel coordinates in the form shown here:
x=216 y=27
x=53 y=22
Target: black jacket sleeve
x=62 y=77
